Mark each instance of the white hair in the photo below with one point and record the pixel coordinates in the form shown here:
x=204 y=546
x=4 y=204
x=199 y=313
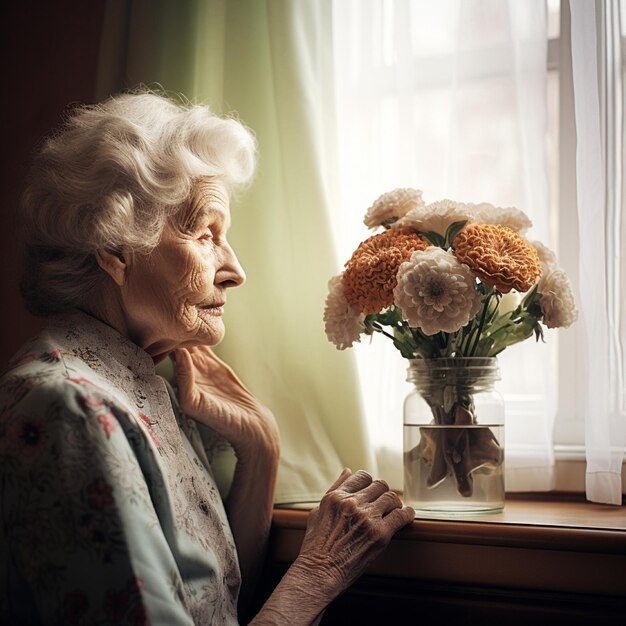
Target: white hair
x=110 y=178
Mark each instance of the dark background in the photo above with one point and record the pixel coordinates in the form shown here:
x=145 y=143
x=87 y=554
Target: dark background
x=49 y=51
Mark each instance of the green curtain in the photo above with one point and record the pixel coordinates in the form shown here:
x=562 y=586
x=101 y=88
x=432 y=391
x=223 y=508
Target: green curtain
x=270 y=63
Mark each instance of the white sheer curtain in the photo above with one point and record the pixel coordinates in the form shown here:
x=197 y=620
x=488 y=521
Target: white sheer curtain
x=448 y=97
x=598 y=75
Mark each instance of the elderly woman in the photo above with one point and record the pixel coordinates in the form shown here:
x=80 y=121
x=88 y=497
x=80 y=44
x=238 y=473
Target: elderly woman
x=110 y=512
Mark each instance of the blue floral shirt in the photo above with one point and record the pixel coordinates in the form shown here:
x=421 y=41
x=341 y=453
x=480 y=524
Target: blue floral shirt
x=109 y=511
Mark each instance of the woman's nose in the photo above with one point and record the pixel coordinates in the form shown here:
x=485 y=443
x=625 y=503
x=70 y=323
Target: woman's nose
x=231 y=273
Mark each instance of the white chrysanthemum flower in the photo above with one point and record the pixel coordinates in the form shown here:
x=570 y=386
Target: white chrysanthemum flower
x=343 y=323
x=546 y=256
x=557 y=300
x=435 y=217
x=392 y=205
x=435 y=292
x=485 y=213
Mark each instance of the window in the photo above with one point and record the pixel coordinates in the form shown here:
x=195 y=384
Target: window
x=465 y=100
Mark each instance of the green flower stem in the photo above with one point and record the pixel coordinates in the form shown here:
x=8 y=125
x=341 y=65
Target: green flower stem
x=481 y=324
x=380 y=330
x=467 y=333
x=441 y=341
x=492 y=315
x=452 y=344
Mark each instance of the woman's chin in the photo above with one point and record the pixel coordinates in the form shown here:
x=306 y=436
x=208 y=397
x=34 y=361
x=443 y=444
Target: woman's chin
x=211 y=330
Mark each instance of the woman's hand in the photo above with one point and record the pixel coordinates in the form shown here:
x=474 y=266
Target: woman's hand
x=210 y=392
x=354 y=522
x=356 y=519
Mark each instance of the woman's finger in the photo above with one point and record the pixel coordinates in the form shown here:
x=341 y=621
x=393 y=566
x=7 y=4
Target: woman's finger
x=373 y=491
x=183 y=362
x=359 y=480
x=345 y=473
x=399 y=518
x=385 y=503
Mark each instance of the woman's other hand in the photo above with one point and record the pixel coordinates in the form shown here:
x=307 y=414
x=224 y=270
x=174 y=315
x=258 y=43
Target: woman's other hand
x=210 y=392
x=353 y=524
x=356 y=519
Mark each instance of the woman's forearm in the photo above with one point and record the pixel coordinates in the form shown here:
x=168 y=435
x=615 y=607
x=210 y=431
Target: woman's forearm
x=298 y=600
x=249 y=508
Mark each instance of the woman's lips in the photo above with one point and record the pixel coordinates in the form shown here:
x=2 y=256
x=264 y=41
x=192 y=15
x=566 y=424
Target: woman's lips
x=213 y=309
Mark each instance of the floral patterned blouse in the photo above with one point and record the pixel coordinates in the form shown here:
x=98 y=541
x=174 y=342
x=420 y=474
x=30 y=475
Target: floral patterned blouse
x=109 y=511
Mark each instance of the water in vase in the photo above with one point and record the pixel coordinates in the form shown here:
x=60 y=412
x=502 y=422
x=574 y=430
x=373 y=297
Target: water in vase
x=455 y=469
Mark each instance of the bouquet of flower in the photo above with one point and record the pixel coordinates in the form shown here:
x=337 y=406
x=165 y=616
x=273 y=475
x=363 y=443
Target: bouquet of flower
x=447 y=280
x=443 y=279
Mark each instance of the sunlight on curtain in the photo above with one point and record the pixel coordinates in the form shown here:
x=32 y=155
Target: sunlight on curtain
x=269 y=61
x=598 y=73
x=448 y=97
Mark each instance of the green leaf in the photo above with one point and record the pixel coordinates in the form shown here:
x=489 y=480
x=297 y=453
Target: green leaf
x=405 y=343
x=453 y=230
x=435 y=239
x=425 y=344
x=406 y=351
x=531 y=297
x=370 y=324
x=390 y=317
x=484 y=346
x=485 y=289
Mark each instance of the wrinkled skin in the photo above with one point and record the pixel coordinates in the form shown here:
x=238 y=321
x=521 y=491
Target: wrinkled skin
x=175 y=296
x=171 y=302
x=354 y=522
x=356 y=519
x=210 y=391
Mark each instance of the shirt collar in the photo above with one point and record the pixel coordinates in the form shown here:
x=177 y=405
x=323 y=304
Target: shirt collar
x=106 y=340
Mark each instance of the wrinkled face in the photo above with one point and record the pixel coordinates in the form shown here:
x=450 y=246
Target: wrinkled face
x=175 y=296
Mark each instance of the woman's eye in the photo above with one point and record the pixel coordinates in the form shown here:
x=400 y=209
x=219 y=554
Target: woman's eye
x=206 y=236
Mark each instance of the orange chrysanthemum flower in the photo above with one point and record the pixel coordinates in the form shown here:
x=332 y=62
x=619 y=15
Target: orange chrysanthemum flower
x=370 y=275
x=498 y=256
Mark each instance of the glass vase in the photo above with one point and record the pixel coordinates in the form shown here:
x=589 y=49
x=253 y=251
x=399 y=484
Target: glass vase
x=454 y=437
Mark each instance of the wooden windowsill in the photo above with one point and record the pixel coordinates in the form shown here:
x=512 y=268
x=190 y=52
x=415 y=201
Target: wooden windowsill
x=565 y=546
x=568 y=520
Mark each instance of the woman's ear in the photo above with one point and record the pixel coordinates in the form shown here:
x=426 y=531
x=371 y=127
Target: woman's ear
x=114 y=264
